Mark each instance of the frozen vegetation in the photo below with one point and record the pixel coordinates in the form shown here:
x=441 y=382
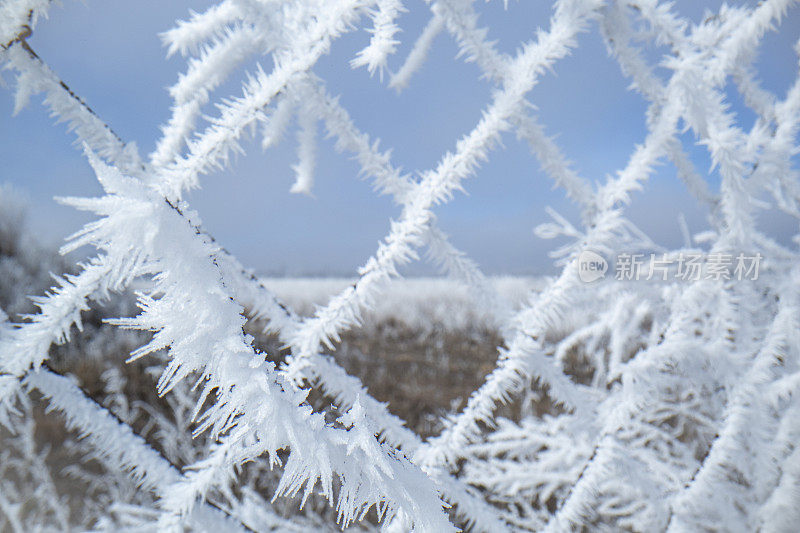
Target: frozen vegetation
x=198 y=396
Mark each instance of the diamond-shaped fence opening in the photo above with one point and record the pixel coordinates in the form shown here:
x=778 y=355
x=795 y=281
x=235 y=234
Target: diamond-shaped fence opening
x=644 y=387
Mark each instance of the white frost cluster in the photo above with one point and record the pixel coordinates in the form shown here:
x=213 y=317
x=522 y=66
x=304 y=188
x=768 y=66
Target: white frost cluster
x=670 y=406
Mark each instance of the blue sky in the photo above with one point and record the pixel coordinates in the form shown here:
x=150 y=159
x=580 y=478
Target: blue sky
x=110 y=54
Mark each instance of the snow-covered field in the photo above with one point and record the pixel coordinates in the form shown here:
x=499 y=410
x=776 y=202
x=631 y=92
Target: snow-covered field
x=417 y=303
